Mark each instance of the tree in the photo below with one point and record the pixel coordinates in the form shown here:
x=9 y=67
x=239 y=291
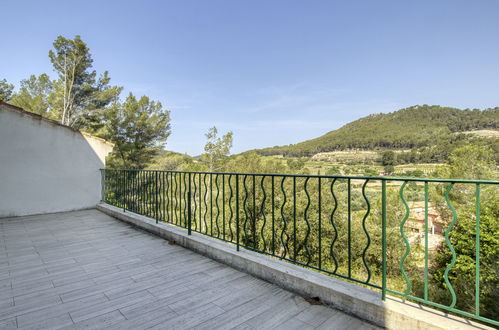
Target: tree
x=462 y=275
x=72 y=61
x=78 y=97
x=388 y=158
x=138 y=128
x=170 y=161
x=94 y=117
x=216 y=149
x=6 y=90
x=34 y=94
x=252 y=162
x=472 y=162
x=295 y=164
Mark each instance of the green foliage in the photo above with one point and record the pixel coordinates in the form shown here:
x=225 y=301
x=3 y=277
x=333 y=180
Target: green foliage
x=103 y=95
x=79 y=96
x=462 y=276
x=6 y=90
x=471 y=162
x=170 y=161
x=415 y=174
x=34 y=94
x=409 y=128
x=389 y=158
x=216 y=149
x=138 y=128
x=370 y=172
x=440 y=151
x=251 y=162
x=296 y=164
x=334 y=170
x=389 y=169
x=72 y=61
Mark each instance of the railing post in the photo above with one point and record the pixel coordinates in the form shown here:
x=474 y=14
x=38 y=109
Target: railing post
x=319 y=222
x=349 y=224
x=477 y=250
x=103 y=185
x=253 y=229
x=156 y=196
x=426 y=241
x=123 y=190
x=294 y=218
x=383 y=238
x=211 y=204
x=189 y=215
x=237 y=212
x=273 y=216
x=223 y=205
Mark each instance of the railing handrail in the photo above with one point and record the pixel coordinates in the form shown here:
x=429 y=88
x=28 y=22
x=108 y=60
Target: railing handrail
x=354 y=177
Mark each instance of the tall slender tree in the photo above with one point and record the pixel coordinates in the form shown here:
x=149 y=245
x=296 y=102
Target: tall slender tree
x=216 y=149
x=72 y=61
x=78 y=95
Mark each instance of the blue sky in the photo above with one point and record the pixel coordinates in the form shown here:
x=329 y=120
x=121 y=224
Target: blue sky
x=273 y=72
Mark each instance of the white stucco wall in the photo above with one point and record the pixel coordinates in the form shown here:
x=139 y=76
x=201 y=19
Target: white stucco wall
x=46 y=167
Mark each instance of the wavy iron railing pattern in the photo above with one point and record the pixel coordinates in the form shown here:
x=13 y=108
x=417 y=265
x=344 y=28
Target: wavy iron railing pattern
x=406 y=241
x=356 y=228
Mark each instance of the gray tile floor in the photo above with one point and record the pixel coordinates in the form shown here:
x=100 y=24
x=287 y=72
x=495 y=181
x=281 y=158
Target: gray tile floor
x=87 y=270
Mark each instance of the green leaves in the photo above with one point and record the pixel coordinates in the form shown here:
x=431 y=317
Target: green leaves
x=138 y=128
x=79 y=98
x=472 y=162
x=72 y=61
x=389 y=158
x=6 y=90
x=217 y=149
x=34 y=94
x=463 y=273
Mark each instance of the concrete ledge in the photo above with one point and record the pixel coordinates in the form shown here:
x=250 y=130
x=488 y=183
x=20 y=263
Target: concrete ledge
x=353 y=299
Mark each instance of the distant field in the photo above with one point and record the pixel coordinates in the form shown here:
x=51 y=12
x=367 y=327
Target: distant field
x=346 y=156
x=324 y=167
x=362 y=163
x=351 y=156
x=484 y=133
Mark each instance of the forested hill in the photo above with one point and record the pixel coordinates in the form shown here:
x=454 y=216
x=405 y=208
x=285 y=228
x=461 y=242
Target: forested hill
x=416 y=126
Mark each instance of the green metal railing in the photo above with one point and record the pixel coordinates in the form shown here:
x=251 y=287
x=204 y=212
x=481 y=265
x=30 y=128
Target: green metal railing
x=363 y=229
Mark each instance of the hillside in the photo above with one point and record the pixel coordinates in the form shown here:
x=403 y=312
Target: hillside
x=408 y=128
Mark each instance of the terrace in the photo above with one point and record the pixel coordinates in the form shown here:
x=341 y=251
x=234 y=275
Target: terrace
x=166 y=249
x=85 y=269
